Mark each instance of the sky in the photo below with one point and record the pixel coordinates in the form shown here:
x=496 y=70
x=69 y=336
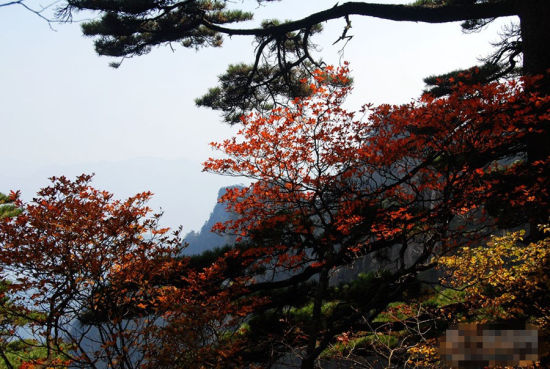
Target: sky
x=64 y=111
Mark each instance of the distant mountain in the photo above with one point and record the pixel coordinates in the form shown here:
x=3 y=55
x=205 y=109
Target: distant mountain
x=205 y=239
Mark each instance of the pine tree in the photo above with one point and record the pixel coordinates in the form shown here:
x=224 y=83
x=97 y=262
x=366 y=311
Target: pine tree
x=7 y=208
x=130 y=28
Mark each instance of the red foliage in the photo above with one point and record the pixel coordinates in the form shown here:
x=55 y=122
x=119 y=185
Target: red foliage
x=88 y=277
x=332 y=185
x=322 y=172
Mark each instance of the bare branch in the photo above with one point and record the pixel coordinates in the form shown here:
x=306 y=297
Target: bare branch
x=441 y=14
x=37 y=12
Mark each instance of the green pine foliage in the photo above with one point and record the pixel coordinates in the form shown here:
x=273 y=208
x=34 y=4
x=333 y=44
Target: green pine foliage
x=130 y=28
x=7 y=208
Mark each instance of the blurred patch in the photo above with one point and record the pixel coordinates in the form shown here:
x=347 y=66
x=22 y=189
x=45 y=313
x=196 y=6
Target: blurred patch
x=477 y=346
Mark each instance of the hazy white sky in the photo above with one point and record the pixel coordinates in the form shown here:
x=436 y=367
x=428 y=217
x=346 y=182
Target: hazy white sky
x=63 y=110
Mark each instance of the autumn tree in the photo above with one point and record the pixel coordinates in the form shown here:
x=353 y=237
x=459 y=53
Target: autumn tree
x=502 y=283
x=331 y=186
x=80 y=267
x=507 y=278
x=96 y=282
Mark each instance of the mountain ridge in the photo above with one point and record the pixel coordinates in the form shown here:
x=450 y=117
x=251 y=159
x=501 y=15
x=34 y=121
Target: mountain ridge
x=205 y=239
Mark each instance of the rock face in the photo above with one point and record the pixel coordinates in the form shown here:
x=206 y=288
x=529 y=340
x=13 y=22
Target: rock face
x=205 y=239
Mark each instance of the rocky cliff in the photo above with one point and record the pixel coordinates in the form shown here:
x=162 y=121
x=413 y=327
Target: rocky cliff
x=205 y=239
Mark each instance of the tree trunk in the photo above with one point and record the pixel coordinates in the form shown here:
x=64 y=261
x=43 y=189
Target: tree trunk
x=308 y=361
x=535 y=32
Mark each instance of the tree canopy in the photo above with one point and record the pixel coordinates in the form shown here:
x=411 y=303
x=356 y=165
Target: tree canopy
x=410 y=182
x=283 y=51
